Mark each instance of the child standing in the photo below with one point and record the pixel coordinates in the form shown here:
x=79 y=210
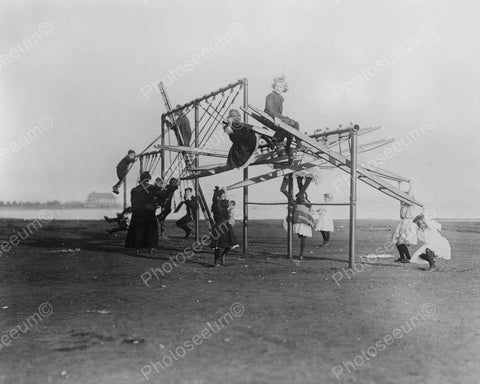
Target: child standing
x=223 y=237
x=231 y=212
x=405 y=233
x=324 y=222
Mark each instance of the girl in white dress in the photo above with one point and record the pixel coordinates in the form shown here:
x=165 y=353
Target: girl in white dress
x=405 y=233
x=435 y=245
x=323 y=220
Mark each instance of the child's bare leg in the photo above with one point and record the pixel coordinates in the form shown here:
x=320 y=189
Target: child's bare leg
x=302 y=246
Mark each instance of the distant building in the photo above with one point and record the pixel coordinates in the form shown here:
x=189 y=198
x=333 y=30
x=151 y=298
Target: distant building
x=101 y=200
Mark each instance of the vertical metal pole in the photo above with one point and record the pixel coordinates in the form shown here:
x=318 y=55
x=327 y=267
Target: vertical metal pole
x=197 y=163
x=245 y=175
x=162 y=154
x=290 y=217
x=125 y=192
x=353 y=195
x=162 y=162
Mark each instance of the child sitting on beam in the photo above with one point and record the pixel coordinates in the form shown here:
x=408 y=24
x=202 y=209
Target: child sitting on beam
x=274 y=107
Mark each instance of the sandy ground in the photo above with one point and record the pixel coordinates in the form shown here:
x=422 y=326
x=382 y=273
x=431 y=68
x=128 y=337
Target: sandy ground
x=74 y=309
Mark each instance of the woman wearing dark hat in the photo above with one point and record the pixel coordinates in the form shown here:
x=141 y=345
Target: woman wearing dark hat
x=143 y=230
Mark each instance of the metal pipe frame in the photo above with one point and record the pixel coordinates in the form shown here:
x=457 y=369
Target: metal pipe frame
x=353 y=196
x=245 y=175
x=205 y=97
x=197 y=163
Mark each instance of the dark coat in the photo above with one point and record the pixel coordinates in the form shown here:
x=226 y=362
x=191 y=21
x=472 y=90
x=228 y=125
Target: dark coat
x=244 y=143
x=143 y=229
x=222 y=235
x=122 y=167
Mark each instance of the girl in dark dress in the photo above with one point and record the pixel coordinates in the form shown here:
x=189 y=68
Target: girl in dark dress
x=223 y=237
x=244 y=140
x=143 y=229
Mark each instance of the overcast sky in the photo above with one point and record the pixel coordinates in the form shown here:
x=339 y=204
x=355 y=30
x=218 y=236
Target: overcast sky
x=83 y=71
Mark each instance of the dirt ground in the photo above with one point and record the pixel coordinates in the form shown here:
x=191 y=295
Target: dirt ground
x=74 y=309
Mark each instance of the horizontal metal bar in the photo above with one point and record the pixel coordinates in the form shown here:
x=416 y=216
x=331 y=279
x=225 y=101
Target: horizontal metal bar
x=204 y=97
x=260 y=203
x=336 y=132
x=149 y=153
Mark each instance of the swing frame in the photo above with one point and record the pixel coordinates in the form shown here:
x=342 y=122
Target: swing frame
x=195 y=105
x=352 y=133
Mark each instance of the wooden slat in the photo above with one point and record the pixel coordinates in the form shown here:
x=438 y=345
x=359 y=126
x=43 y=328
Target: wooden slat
x=274 y=174
x=193 y=150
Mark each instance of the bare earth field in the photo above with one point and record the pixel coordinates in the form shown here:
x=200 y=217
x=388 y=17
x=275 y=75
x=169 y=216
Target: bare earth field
x=74 y=309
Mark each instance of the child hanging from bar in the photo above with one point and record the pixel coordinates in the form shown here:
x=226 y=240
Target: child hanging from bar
x=164 y=201
x=304 y=178
x=274 y=107
x=122 y=169
x=222 y=237
x=323 y=221
x=302 y=221
x=191 y=206
x=405 y=233
x=122 y=220
x=182 y=127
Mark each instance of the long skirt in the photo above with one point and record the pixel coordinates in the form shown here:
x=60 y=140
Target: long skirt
x=434 y=241
x=223 y=236
x=143 y=230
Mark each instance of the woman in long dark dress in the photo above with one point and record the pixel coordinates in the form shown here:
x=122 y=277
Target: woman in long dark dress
x=223 y=237
x=143 y=230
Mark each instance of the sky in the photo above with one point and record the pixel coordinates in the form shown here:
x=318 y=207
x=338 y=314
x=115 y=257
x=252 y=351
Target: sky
x=77 y=88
